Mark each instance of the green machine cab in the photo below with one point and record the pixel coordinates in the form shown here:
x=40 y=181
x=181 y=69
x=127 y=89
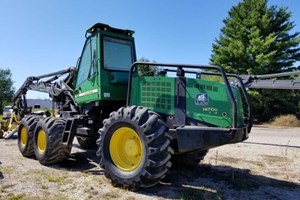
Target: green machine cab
x=102 y=71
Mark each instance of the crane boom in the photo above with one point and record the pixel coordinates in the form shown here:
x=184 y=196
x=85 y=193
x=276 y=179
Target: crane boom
x=268 y=81
x=54 y=86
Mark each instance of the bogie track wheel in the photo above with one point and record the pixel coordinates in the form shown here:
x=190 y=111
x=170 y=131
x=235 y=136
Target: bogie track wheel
x=25 y=135
x=134 y=148
x=48 y=148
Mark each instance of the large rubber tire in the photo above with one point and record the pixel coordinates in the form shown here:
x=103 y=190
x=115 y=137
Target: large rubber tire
x=134 y=148
x=25 y=135
x=87 y=143
x=188 y=159
x=48 y=148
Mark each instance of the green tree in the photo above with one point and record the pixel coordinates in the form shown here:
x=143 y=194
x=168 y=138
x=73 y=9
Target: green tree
x=258 y=39
x=6 y=88
x=146 y=70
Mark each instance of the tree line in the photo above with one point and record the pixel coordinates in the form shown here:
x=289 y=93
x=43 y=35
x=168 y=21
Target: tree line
x=258 y=39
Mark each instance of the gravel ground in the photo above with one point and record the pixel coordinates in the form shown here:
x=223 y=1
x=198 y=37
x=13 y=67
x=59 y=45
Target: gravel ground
x=266 y=166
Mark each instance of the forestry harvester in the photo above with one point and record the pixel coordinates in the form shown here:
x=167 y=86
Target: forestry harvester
x=140 y=122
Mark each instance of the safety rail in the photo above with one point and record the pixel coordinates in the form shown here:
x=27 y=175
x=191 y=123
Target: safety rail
x=180 y=71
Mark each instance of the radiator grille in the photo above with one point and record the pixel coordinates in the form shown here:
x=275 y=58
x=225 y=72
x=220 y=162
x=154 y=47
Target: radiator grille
x=156 y=94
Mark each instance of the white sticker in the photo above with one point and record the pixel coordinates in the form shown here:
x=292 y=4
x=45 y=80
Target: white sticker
x=106 y=94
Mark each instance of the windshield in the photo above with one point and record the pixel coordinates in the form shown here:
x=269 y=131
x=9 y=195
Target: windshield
x=7 y=108
x=118 y=54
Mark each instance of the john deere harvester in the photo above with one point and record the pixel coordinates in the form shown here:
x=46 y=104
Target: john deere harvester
x=140 y=122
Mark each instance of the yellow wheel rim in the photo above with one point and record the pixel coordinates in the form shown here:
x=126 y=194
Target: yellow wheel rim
x=41 y=141
x=126 y=149
x=23 y=136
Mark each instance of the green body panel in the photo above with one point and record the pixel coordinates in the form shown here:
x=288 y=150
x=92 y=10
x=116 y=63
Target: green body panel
x=104 y=84
x=112 y=89
x=114 y=84
x=240 y=106
x=215 y=107
x=155 y=93
x=90 y=90
x=158 y=94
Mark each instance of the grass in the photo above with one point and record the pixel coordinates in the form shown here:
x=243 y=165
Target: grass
x=112 y=194
x=55 y=179
x=285 y=120
x=2 y=190
x=198 y=194
x=52 y=177
x=16 y=196
x=44 y=187
x=6 y=170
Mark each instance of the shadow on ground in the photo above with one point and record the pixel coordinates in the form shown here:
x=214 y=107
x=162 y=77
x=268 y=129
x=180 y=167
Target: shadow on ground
x=203 y=181
x=1 y=175
x=83 y=161
x=213 y=182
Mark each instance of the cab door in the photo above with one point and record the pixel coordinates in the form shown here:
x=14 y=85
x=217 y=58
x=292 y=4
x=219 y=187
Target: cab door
x=87 y=86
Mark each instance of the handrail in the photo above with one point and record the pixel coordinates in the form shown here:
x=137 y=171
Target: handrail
x=180 y=66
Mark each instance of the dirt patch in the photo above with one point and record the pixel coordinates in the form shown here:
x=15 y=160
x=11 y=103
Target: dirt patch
x=250 y=170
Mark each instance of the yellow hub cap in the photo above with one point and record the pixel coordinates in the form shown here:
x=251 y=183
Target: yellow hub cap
x=41 y=141
x=23 y=136
x=126 y=149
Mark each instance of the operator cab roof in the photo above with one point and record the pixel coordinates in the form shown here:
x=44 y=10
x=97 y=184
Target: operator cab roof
x=105 y=27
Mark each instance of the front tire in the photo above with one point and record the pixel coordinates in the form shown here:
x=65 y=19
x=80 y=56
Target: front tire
x=48 y=148
x=134 y=148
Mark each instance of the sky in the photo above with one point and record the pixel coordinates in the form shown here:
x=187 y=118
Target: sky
x=43 y=36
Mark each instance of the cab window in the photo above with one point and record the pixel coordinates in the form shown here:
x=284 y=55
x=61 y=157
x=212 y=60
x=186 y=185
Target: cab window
x=87 y=63
x=118 y=54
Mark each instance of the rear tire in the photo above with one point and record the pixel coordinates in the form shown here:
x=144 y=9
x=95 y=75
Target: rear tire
x=25 y=135
x=48 y=148
x=134 y=148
